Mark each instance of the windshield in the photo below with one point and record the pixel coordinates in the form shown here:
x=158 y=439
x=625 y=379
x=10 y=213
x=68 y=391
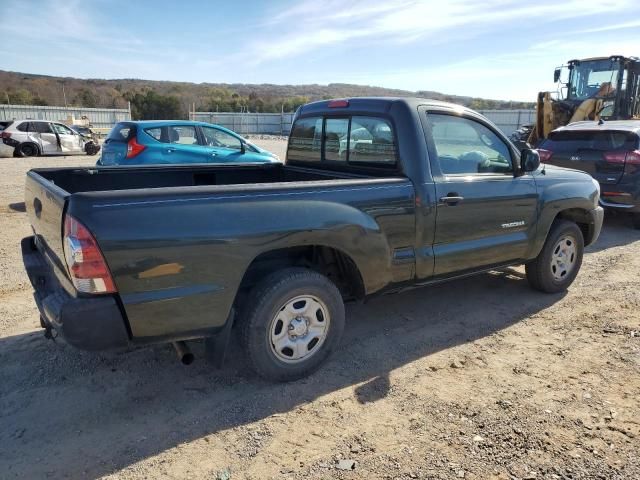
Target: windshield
x=593 y=78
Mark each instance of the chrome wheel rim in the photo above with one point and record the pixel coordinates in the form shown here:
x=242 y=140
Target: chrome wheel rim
x=563 y=257
x=299 y=328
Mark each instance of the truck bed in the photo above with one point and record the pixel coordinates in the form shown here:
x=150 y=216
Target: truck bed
x=75 y=180
x=179 y=238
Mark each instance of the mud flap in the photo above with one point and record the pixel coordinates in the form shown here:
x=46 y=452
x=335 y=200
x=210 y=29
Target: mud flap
x=216 y=346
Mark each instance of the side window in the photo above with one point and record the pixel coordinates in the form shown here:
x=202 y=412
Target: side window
x=336 y=139
x=156 y=133
x=217 y=138
x=182 y=134
x=371 y=141
x=120 y=133
x=23 y=127
x=467 y=147
x=305 y=141
x=40 y=127
x=61 y=129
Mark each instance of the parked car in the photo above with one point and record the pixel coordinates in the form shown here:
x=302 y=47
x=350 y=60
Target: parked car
x=30 y=138
x=176 y=141
x=608 y=151
x=92 y=139
x=430 y=192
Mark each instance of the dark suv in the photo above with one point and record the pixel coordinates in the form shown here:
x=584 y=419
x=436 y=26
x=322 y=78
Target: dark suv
x=609 y=152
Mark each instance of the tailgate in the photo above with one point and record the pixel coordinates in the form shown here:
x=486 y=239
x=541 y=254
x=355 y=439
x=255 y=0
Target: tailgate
x=600 y=153
x=45 y=204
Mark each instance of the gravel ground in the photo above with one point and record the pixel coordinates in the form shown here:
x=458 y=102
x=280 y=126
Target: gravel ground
x=479 y=378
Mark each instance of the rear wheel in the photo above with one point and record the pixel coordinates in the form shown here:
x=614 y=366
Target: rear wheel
x=27 y=150
x=293 y=320
x=557 y=265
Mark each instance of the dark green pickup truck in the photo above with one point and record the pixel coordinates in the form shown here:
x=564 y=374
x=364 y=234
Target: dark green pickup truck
x=376 y=195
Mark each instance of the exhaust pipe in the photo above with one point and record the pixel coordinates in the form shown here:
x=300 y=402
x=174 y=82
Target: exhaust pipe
x=183 y=352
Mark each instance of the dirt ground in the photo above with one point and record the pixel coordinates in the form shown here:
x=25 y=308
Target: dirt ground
x=478 y=378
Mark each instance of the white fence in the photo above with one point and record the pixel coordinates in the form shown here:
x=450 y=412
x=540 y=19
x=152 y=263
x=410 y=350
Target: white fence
x=280 y=124
x=248 y=123
x=510 y=120
x=243 y=123
x=99 y=118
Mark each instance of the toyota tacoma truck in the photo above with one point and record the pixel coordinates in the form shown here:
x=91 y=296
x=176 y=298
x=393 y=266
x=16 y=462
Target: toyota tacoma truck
x=376 y=195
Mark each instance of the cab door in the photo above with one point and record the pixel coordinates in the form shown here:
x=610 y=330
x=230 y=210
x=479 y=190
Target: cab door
x=70 y=142
x=485 y=216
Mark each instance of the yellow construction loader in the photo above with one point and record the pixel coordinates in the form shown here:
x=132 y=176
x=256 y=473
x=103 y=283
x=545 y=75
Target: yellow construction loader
x=603 y=88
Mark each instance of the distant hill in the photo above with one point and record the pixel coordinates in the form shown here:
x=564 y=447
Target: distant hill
x=157 y=99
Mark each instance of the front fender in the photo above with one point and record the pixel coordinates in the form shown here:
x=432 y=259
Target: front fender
x=562 y=190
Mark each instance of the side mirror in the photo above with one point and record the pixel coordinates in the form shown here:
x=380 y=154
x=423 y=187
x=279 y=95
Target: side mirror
x=243 y=148
x=556 y=75
x=529 y=160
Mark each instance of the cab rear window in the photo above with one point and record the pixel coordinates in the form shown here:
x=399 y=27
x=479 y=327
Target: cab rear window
x=346 y=141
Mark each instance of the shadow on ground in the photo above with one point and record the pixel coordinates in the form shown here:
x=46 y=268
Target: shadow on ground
x=617 y=230
x=99 y=414
x=17 y=207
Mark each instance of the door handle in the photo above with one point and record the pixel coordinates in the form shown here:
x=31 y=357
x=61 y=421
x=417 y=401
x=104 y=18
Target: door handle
x=451 y=199
x=213 y=154
x=170 y=150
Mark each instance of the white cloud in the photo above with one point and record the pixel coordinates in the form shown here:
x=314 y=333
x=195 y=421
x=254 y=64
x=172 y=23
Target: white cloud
x=608 y=28
x=313 y=24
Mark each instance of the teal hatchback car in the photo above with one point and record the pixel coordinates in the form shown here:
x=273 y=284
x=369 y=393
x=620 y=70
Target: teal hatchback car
x=178 y=141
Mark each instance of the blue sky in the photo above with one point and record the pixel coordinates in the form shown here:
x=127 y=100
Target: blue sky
x=499 y=49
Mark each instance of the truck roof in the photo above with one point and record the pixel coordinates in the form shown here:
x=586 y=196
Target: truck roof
x=380 y=104
x=625 y=125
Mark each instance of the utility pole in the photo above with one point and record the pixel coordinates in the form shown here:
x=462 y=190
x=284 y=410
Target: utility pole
x=64 y=95
x=8 y=101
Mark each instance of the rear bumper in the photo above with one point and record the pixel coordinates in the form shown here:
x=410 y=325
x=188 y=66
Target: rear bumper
x=88 y=323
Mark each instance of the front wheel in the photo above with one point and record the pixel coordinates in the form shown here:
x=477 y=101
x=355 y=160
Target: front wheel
x=293 y=321
x=636 y=221
x=27 y=150
x=91 y=148
x=557 y=265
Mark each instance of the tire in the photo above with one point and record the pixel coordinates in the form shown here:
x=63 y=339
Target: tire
x=91 y=149
x=559 y=261
x=292 y=321
x=27 y=150
x=635 y=219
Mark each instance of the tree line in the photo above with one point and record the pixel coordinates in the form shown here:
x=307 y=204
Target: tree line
x=151 y=100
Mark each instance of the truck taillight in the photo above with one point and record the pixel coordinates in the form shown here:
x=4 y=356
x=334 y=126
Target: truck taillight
x=5 y=135
x=545 y=155
x=87 y=267
x=133 y=147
